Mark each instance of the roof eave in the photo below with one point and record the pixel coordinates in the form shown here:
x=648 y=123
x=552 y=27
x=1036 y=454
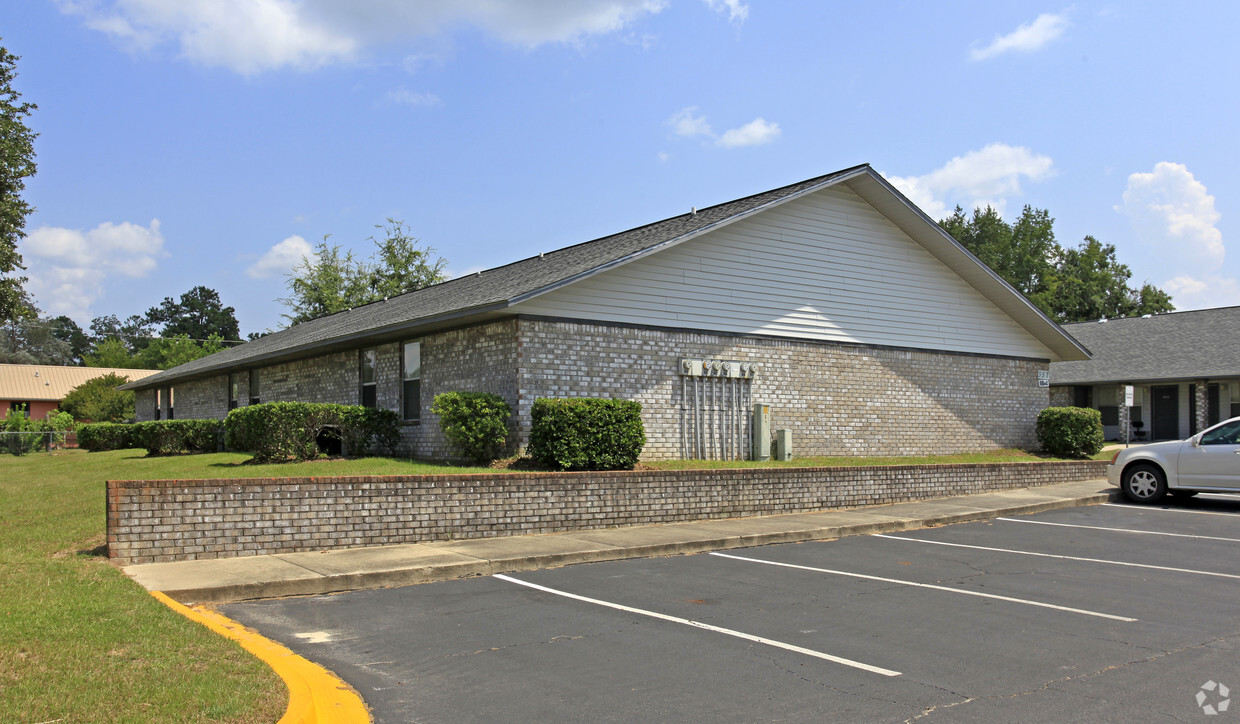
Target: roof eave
x=410 y=328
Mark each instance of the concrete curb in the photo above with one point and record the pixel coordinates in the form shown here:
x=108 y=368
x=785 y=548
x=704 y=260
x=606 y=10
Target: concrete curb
x=315 y=695
x=300 y=574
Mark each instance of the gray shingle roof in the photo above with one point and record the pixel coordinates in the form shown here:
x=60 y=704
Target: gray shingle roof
x=475 y=295
x=1203 y=344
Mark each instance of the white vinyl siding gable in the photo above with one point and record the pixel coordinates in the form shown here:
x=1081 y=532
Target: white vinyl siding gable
x=827 y=266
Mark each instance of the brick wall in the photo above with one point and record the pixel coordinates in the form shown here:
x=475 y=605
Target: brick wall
x=169 y=520
x=836 y=399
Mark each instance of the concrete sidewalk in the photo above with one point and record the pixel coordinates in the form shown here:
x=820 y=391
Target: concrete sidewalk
x=290 y=574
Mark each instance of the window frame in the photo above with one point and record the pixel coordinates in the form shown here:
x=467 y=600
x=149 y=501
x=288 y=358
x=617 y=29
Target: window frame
x=368 y=389
x=405 y=392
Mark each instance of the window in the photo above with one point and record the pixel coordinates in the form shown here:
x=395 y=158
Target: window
x=1081 y=396
x=411 y=385
x=1225 y=435
x=1110 y=414
x=369 y=361
x=158 y=406
x=234 y=390
x=254 y=396
x=170 y=401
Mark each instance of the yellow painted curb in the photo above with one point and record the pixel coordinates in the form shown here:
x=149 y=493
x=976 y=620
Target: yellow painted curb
x=315 y=695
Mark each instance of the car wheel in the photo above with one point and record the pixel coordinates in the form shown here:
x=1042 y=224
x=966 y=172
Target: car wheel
x=1144 y=484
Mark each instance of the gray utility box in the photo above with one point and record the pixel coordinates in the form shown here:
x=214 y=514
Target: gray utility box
x=761 y=431
x=783 y=444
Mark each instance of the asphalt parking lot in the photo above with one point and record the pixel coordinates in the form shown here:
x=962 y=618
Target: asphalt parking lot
x=1105 y=613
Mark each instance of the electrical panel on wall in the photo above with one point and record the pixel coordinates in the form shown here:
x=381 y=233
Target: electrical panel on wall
x=718 y=368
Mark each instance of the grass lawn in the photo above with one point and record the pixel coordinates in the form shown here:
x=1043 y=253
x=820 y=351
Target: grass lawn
x=80 y=642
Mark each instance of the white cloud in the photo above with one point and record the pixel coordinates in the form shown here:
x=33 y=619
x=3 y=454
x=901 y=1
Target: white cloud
x=409 y=98
x=687 y=123
x=1025 y=39
x=986 y=177
x=252 y=36
x=281 y=258
x=1173 y=216
x=1212 y=290
x=737 y=11
x=1171 y=209
x=69 y=267
x=755 y=133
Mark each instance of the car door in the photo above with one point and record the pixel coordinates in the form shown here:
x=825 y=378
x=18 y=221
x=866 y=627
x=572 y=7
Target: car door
x=1214 y=460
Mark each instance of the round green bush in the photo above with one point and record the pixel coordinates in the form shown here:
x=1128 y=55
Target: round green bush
x=1070 y=432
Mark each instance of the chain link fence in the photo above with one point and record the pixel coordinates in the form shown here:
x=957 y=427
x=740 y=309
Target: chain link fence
x=29 y=441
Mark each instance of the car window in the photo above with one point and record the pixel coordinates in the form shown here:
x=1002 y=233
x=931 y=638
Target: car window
x=1228 y=434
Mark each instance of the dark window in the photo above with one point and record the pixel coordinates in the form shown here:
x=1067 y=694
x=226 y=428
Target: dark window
x=411 y=386
x=159 y=408
x=254 y=396
x=1110 y=414
x=1082 y=396
x=1213 y=407
x=1225 y=435
x=18 y=406
x=369 y=361
x=234 y=390
x=171 y=400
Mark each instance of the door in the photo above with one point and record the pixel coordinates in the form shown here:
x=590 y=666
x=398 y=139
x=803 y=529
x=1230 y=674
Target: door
x=1166 y=412
x=1215 y=461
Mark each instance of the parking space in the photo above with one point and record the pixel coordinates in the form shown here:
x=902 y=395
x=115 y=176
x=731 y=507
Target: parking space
x=1109 y=613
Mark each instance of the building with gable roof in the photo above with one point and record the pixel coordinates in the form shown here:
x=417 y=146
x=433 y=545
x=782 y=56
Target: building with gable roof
x=1184 y=368
x=38 y=389
x=836 y=301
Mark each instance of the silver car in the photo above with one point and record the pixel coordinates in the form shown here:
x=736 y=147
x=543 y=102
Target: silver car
x=1207 y=461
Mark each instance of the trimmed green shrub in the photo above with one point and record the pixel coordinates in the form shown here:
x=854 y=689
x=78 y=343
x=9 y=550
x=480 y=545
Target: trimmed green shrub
x=281 y=431
x=586 y=434
x=474 y=423
x=1070 y=432
x=100 y=436
x=170 y=437
x=366 y=429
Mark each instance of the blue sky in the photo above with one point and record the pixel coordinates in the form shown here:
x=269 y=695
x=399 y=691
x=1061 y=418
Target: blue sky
x=188 y=142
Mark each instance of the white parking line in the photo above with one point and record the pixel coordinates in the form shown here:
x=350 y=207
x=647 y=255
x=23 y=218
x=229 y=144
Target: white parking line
x=929 y=585
x=1052 y=555
x=1168 y=510
x=1120 y=530
x=706 y=626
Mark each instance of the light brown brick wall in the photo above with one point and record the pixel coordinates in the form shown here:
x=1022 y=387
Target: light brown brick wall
x=170 y=520
x=836 y=399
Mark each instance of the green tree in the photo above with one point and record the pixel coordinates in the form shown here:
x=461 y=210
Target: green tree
x=16 y=165
x=33 y=340
x=1069 y=285
x=333 y=279
x=110 y=352
x=98 y=400
x=134 y=333
x=198 y=314
x=68 y=331
x=1093 y=285
x=168 y=352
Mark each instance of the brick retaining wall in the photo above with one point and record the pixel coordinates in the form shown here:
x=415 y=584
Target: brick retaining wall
x=170 y=520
